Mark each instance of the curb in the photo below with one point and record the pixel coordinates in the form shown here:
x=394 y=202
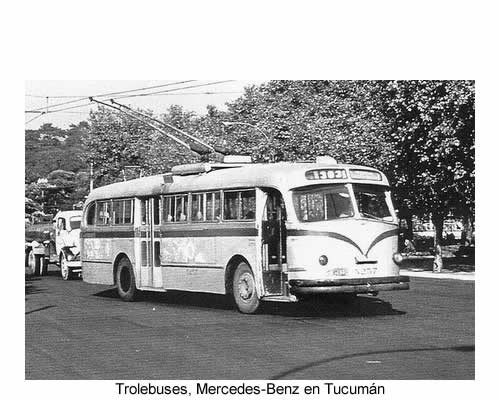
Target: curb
x=462 y=276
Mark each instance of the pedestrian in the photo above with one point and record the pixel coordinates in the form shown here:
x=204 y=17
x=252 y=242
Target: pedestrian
x=409 y=247
x=437 y=266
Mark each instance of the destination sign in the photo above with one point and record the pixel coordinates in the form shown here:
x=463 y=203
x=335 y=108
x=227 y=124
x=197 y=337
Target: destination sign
x=330 y=173
x=363 y=174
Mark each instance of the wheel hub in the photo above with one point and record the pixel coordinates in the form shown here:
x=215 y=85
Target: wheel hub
x=245 y=287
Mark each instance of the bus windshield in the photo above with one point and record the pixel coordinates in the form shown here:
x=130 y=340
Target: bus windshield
x=323 y=203
x=372 y=202
x=330 y=202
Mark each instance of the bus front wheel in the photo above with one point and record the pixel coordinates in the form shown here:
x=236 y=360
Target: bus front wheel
x=125 y=280
x=245 y=290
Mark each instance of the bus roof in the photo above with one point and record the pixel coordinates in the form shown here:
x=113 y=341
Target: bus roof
x=282 y=176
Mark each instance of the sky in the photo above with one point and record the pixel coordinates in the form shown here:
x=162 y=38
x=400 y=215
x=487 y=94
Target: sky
x=191 y=99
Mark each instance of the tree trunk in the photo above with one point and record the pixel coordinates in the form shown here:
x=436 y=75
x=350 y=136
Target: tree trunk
x=409 y=224
x=437 y=220
x=466 y=239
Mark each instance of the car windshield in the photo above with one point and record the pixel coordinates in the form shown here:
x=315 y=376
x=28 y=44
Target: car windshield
x=323 y=203
x=372 y=202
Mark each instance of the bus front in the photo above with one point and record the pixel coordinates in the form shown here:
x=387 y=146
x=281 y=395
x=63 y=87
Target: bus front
x=344 y=234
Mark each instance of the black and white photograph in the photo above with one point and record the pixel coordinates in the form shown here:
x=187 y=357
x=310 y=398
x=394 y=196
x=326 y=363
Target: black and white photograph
x=266 y=200
x=284 y=229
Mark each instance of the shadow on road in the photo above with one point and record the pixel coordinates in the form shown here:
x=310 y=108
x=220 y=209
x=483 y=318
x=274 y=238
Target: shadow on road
x=38 y=309
x=314 y=308
x=30 y=286
x=331 y=308
x=286 y=374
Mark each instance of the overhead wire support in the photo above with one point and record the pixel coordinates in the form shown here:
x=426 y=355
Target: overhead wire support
x=174 y=138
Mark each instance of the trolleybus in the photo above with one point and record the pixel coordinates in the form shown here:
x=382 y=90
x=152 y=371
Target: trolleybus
x=257 y=232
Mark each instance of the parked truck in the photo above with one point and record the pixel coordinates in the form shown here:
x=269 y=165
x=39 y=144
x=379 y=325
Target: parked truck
x=54 y=242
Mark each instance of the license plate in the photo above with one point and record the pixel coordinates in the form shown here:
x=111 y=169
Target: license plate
x=364 y=271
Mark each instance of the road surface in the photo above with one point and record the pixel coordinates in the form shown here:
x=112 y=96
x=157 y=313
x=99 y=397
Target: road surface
x=75 y=330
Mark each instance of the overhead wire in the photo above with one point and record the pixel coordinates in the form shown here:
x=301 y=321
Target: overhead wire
x=44 y=110
x=128 y=96
x=111 y=94
x=171 y=90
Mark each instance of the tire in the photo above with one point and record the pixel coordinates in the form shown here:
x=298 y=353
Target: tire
x=34 y=262
x=44 y=266
x=245 y=290
x=65 y=270
x=125 y=281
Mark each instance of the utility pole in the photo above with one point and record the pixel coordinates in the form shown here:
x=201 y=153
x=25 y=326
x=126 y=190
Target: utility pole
x=91 y=175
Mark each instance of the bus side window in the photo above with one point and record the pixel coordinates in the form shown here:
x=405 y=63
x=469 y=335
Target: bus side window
x=103 y=208
x=117 y=212
x=197 y=213
x=144 y=212
x=181 y=207
x=127 y=212
x=217 y=206
x=231 y=205
x=168 y=206
x=91 y=214
x=248 y=204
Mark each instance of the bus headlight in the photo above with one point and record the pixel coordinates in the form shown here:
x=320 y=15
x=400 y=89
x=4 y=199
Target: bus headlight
x=398 y=258
x=323 y=260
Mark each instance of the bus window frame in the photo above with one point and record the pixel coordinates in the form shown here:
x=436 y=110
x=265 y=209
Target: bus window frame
x=109 y=207
x=85 y=220
x=240 y=205
x=111 y=203
x=174 y=216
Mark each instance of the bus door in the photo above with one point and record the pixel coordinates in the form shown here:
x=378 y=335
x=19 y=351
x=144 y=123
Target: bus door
x=274 y=265
x=150 y=243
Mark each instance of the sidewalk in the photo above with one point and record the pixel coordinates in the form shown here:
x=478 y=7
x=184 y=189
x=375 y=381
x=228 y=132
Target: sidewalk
x=444 y=274
x=460 y=268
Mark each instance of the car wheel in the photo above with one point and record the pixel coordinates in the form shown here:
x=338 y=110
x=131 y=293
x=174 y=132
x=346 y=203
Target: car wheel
x=65 y=271
x=33 y=263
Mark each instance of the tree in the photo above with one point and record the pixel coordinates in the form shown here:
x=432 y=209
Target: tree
x=49 y=148
x=309 y=118
x=116 y=141
x=432 y=134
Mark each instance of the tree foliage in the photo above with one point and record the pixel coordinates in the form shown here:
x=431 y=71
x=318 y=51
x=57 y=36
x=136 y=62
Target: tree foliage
x=308 y=118
x=50 y=148
x=433 y=138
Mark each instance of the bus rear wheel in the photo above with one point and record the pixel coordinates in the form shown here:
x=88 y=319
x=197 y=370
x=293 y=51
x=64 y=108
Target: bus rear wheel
x=125 y=280
x=245 y=290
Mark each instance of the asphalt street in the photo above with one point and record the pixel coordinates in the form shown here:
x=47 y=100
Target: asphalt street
x=75 y=330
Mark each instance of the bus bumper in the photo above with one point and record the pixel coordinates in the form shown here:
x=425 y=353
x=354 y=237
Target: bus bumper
x=362 y=285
